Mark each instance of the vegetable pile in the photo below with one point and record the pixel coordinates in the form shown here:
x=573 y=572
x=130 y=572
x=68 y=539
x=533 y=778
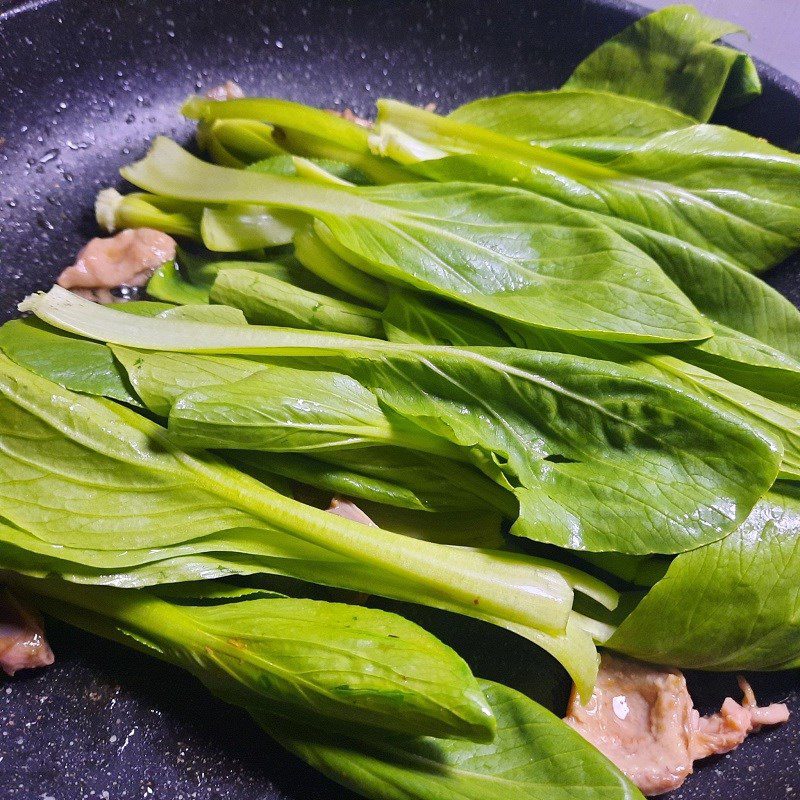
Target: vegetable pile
x=528 y=337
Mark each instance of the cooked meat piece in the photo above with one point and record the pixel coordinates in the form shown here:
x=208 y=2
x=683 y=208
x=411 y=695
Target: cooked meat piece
x=726 y=730
x=643 y=719
x=348 y=114
x=343 y=507
x=226 y=91
x=22 y=642
x=349 y=510
x=127 y=259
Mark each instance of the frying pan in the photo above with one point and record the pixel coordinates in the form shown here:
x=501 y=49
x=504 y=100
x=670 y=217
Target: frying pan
x=83 y=86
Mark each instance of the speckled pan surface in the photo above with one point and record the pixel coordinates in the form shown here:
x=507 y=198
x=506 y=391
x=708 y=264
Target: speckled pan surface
x=83 y=85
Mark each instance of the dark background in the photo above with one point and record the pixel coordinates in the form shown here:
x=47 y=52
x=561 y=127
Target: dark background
x=83 y=86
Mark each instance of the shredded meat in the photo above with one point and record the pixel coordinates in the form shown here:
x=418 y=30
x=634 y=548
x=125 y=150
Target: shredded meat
x=127 y=259
x=226 y=91
x=643 y=719
x=343 y=507
x=22 y=642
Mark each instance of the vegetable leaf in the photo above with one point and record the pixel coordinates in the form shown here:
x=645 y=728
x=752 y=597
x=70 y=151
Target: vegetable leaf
x=535 y=756
x=669 y=57
x=727 y=195
x=730 y=605
x=509 y=252
x=603 y=457
x=268 y=301
x=72 y=362
x=342 y=662
x=759 y=366
x=110 y=480
x=675 y=218
x=590 y=124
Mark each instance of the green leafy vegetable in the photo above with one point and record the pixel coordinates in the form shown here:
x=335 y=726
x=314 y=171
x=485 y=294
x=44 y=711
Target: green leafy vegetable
x=72 y=362
x=312 y=252
x=302 y=130
x=268 y=301
x=140 y=210
x=586 y=123
x=231 y=229
x=669 y=57
x=534 y=756
x=601 y=457
x=747 y=362
x=167 y=283
x=291 y=410
x=702 y=194
x=413 y=318
x=409 y=318
x=730 y=605
x=237 y=142
x=337 y=661
x=216 y=315
x=165 y=515
x=507 y=251
x=323 y=170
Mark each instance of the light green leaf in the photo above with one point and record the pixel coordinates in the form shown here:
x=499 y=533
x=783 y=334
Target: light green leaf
x=233 y=228
x=160 y=379
x=535 y=756
x=140 y=210
x=669 y=57
x=220 y=315
x=731 y=605
x=586 y=123
x=285 y=410
x=318 y=258
x=604 y=457
x=341 y=662
x=721 y=192
x=304 y=131
x=391 y=476
x=110 y=480
x=237 y=142
x=167 y=283
x=747 y=362
x=268 y=301
x=72 y=362
x=411 y=318
x=324 y=170
x=743 y=361
x=657 y=196
x=506 y=251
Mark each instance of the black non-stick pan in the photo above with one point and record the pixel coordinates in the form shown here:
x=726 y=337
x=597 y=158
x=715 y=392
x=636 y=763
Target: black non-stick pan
x=84 y=84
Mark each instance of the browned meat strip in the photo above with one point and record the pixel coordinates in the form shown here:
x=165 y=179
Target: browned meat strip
x=643 y=719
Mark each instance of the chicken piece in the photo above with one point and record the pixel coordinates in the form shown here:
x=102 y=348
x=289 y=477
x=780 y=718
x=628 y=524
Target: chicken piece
x=230 y=90
x=22 y=642
x=343 y=507
x=643 y=719
x=127 y=259
x=350 y=116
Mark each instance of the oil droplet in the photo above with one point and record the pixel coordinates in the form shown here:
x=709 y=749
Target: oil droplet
x=43 y=222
